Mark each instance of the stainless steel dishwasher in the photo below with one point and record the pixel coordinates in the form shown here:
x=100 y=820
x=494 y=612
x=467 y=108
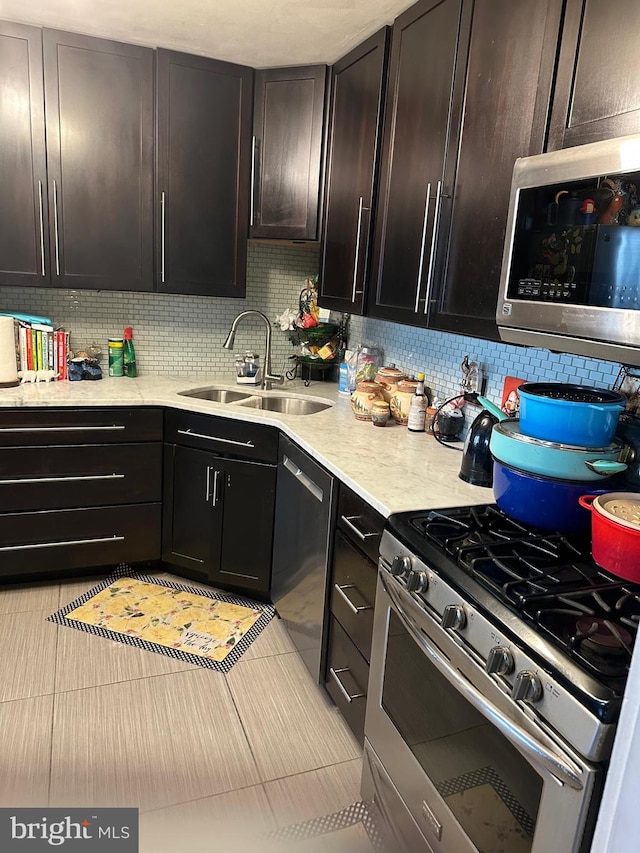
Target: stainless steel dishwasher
x=304 y=500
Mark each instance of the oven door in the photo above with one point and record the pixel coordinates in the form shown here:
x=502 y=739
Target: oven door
x=475 y=770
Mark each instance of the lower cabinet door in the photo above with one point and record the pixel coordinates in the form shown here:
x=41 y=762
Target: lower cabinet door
x=34 y=543
x=247 y=530
x=346 y=678
x=192 y=512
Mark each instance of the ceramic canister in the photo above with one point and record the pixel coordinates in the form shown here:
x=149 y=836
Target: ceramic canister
x=363 y=398
x=389 y=377
x=400 y=401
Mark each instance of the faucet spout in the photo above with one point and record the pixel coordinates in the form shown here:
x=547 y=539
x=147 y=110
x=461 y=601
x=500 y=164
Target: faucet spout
x=268 y=377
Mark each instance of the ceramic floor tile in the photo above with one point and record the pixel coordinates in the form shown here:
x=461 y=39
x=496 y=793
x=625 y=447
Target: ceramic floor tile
x=273 y=640
x=27 y=663
x=235 y=820
x=25 y=750
x=37 y=596
x=72 y=589
x=149 y=743
x=291 y=723
x=85 y=660
x=305 y=796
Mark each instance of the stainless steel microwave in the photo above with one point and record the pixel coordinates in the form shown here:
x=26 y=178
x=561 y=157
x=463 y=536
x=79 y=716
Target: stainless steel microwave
x=571 y=266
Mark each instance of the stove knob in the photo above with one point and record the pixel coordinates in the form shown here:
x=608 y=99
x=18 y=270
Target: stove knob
x=417 y=581
x=454 y=616
x=499 y=661
x=401 y=566
x=527 y=686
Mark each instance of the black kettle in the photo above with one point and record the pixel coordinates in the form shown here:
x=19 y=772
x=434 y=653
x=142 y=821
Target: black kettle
x=477 y=462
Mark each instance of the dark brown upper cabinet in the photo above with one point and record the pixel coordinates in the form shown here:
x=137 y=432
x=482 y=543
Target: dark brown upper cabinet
x=597 y=94
x=203 y=164
x=288 y=131
x=507 y=90
x=24 y=237
x=357 y=89
x=469 y=92
x=99 y=120
x=417 y=134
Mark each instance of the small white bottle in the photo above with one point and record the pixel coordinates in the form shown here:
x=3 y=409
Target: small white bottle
x=418 y=408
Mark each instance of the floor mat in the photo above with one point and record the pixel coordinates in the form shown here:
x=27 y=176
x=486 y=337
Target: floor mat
x=356 y=829
x=209 y=629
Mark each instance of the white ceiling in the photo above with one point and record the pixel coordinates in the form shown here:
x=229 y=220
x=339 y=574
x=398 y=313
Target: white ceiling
x=260 y=33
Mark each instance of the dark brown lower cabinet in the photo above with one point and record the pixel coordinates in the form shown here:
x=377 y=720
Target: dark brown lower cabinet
x=79 y=489
x=218 y=518
x=351 y=604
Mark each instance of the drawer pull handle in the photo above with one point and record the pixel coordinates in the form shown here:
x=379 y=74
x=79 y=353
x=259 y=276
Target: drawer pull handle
x=349 y=519
x=343 y=594
x=348 y=696
x=215 y=438
x=62 y=479
x=62 y=428
x=62 y=544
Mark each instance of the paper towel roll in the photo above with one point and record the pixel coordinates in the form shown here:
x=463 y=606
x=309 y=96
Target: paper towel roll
x=8 y=364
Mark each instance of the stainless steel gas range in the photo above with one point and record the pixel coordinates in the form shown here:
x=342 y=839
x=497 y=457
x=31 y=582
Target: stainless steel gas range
x=498 y=666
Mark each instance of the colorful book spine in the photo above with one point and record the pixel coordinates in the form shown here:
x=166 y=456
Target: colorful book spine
x=29 y=346
x=61 y=345
x=34 y=349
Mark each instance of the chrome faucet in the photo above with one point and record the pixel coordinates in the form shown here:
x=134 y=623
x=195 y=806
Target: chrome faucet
x=268 y=377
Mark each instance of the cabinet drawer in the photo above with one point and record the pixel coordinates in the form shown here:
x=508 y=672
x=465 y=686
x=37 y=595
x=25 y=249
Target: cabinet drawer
x=353 y=593
x=346 y=679
x=360 y=522
x=224 y=436
x=57 y=540
x=31 y=427
x=87 y=475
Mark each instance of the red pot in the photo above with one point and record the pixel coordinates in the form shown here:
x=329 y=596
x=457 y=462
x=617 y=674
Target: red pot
x=615 y=542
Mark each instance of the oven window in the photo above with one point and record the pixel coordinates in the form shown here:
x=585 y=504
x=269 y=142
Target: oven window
x=488 y=786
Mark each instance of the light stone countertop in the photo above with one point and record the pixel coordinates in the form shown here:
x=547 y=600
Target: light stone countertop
x=389 y=467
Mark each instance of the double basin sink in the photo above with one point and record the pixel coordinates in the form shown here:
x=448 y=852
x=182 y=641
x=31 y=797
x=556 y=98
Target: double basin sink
x=285 y=404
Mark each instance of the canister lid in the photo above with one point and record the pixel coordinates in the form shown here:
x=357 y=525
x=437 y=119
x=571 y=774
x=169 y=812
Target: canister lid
x=621 y=507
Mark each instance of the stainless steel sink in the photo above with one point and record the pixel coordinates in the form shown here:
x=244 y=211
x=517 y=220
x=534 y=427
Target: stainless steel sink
x=285 y=405
x=216 y=395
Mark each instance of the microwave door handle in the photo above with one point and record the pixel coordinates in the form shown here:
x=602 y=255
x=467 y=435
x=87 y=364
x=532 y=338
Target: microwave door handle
x=516 y=735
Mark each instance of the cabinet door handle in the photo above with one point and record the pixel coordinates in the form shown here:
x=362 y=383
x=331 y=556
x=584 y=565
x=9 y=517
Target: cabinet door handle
x=55 y=225
x=215 y=438
x=74 y=479
x=355 y=261
x=42 y=267
x=349 y=519
x=214 y=500
x=303 y=478
x=62 y=544
x=348 y=696
x=162 y=213
x=422 y=245
x=355 y=608
x=207 y=490
x=253 y=180
x=434 y=243
x=63 y=428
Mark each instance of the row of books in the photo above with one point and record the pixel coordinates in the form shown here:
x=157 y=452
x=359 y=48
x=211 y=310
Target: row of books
x=41 y=347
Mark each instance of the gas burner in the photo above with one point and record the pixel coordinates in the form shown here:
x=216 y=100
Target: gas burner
x=603 y=637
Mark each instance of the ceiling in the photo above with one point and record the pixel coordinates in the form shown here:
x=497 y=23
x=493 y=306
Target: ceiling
x=259 y=33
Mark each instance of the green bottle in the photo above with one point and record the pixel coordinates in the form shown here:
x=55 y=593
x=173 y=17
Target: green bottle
x=130 y=368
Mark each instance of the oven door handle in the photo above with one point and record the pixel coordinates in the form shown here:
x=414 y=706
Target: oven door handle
x=516 y=735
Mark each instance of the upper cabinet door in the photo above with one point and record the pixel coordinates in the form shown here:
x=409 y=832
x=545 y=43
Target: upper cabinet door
x=204 y=153
x=507 y=88
x=24 y=238
x=597 y=93
x=355 y=125
x=416 y=136
x=288 y=124
x=99 y=108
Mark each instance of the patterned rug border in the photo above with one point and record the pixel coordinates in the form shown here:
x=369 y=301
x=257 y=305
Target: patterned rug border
x=268 y=612
x=363 y=812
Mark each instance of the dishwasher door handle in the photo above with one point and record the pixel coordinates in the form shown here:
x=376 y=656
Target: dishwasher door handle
x=303 y=478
